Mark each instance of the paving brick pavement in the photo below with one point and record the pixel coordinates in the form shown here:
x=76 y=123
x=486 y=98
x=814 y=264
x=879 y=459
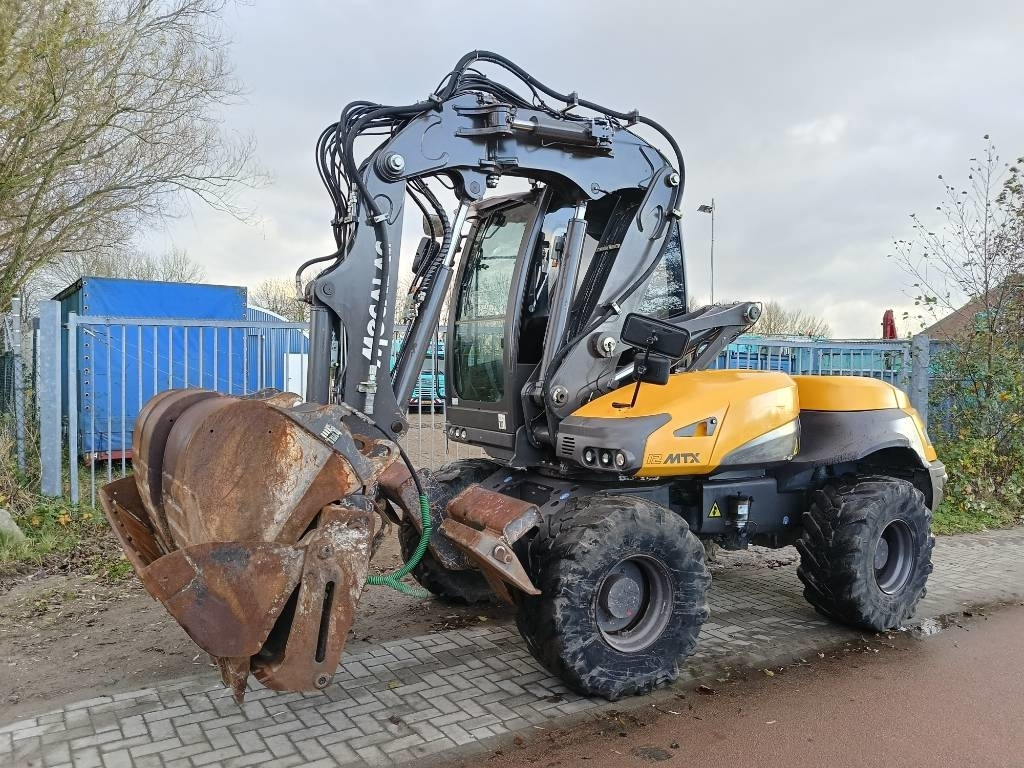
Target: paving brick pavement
x=405 y=700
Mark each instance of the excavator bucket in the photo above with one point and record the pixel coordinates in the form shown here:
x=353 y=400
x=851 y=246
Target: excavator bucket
x=251 y=520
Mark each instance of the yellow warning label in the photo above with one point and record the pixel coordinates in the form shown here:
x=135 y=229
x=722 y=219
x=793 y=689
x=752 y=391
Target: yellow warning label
x=715 y=511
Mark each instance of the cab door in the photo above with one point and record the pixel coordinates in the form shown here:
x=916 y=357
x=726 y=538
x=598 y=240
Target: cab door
x=482 y=401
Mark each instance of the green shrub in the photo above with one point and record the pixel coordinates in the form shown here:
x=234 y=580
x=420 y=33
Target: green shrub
x=977 y=406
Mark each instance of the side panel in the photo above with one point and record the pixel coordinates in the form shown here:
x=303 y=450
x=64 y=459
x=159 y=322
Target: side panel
x=704 y=416
x=770 y=512
x=834 y=437
x=848 y=393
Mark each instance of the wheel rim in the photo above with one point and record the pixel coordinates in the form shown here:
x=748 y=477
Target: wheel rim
x=894 y=557
x=634 y=603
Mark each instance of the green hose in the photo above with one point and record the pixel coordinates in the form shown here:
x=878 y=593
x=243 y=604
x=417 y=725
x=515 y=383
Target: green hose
x=394 y=579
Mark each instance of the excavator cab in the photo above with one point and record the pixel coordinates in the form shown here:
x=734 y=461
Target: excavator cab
x=502 y=302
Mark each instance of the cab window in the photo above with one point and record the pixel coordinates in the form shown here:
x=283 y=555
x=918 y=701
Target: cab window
x=482 y=305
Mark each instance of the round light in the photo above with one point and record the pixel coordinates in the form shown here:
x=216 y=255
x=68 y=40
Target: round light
x=606 y=458
x=588 y=456
x=620 y=459
x=463 y=434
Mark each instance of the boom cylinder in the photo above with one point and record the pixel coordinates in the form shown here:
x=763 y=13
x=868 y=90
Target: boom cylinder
x=407 y=372
x=318 y=371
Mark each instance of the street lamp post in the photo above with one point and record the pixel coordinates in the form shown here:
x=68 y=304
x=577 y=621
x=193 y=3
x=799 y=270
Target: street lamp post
x=710 y=208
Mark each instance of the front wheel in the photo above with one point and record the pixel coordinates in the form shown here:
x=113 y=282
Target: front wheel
x=623 y=595
x=457 y=587
x=865 y=552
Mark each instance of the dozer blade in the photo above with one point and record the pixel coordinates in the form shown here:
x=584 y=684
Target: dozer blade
x=251 y=519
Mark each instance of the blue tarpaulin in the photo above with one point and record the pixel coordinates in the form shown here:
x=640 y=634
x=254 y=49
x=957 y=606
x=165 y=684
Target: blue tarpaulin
x=122 y=365
x=116 y=297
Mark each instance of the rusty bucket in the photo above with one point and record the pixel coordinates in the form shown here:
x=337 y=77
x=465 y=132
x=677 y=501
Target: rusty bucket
x=251 y=520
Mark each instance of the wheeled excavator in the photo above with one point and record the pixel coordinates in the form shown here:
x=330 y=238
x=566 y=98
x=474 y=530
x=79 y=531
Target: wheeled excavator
x=613 y=450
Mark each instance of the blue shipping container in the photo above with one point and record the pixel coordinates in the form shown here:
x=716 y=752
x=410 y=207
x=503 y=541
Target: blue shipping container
x=275 y=356
x=122 y=365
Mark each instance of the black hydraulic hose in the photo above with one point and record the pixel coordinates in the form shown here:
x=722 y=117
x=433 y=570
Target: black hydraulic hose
x=423 y=209
x=434 y=202
x=358 y=117
x=309 y=263
x=572 y=99
x=374 y=212
x=446 y=225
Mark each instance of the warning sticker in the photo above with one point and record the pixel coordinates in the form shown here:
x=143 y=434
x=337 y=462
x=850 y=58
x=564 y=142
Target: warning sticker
x=330 y=434
x=715 y=511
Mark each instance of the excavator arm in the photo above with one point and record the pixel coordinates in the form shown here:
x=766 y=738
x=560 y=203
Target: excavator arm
x=470 y=133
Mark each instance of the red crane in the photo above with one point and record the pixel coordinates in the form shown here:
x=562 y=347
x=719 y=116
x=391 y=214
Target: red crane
x=888 y=325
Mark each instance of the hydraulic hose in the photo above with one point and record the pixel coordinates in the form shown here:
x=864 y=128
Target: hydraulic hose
x=394 y=579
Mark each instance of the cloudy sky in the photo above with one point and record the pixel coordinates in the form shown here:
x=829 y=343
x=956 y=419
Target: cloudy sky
x=817 y=127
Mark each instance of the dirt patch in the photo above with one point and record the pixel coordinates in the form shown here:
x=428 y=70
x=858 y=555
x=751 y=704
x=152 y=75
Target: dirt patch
x=74 y=626
x=65 y=637
x=67 y=632
x=752 y=557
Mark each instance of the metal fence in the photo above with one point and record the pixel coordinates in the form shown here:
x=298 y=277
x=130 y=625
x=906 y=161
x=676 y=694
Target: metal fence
x=114 y=365
x=889 y=361
x=13 y=417
x=93 y=375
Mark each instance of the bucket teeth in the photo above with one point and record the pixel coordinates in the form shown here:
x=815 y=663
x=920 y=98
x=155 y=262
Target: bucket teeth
x=250 y=520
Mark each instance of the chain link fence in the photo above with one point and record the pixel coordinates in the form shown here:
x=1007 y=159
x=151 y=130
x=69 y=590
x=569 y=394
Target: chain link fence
x=13 y=417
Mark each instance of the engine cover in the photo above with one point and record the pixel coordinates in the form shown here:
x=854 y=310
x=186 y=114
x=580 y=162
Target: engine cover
x=692 y=425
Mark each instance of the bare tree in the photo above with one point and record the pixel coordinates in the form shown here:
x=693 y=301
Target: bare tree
x=968 y=275
x=975 y=251
x=173 y=266
x=108 y=119
x=177 y=266
x=278 y=295
x=776 y=319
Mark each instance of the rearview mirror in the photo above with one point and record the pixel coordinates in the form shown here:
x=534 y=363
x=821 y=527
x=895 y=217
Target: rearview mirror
x=661 y=344
x=652 y=369
x=655 y=336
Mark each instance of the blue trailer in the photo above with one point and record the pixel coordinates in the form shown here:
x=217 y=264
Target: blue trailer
x=275 y=356
x=120 y=365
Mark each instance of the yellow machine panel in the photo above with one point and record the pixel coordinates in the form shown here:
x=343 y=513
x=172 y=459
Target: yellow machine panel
x=858 y=393
x=713 y=413
x=848 y=393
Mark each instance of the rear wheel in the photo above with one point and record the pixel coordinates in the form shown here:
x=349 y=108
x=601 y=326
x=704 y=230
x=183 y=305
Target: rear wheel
x=451 y=586
x=624 y=587
x=865 y=553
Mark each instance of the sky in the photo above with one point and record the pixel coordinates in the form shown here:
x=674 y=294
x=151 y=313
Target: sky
x=818 y=128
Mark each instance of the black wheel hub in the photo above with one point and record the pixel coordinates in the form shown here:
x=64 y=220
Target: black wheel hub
x=634 y=603
x=894 y=557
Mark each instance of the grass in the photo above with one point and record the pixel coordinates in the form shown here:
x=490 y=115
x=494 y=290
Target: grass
x=948 y=520
x=59 y=536
x=62 y=537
